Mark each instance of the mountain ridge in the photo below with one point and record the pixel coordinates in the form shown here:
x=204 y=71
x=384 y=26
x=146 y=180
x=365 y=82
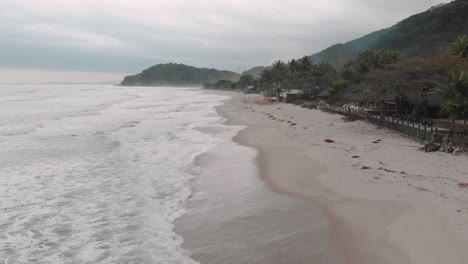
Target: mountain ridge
x=418 y=36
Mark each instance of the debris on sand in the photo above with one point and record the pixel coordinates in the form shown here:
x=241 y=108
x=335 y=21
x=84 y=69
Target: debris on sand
x=329 y=141
x=365 y=168
x=386 y=170
x=356 y=157
x=463 y=185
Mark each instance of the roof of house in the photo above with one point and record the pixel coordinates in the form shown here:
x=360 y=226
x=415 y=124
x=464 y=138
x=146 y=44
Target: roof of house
x=324 y=93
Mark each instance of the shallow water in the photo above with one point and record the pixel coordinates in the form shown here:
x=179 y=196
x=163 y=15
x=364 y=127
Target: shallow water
x=97 y=174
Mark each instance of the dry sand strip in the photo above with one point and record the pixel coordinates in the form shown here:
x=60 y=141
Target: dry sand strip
x=387 y=201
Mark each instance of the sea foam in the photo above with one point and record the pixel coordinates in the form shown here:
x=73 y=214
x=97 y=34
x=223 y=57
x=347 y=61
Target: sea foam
x=98 y=174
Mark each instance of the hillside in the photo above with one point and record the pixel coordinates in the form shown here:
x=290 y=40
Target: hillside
x=255 y=71
x=172 y=74
x=418 y=36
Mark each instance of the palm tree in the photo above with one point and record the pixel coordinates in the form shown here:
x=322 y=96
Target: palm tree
x=453 y=104
x=464 y=113
x=266 y=79
x=293 y=66
x=337 y=86
x=456 y=97
x=279 y=75
x=458 y=79
x=461 y=46
x=306 y=64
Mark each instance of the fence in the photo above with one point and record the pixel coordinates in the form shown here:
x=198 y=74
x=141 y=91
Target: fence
x=416 y=131
x=413 y=130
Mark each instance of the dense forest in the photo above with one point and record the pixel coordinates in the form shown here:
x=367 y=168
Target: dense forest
x=418 y=36
x=172 y=74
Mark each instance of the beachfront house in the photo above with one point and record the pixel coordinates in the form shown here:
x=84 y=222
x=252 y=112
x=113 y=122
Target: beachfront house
x=323 y=95
x=291 y=95
x=402 y=93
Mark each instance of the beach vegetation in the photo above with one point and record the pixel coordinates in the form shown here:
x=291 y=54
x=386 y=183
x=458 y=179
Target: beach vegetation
x=220 y=85
x=339 y=85
x=309 y=105
x=456 y=96
x=461 y=46
x=453 y=104
x=246 y=81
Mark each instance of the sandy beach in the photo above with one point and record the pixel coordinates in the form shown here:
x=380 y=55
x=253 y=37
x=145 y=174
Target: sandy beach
x=382 y=199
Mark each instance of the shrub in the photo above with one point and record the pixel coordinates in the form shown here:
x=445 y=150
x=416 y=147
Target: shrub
x=309 y=105
x=298 y=102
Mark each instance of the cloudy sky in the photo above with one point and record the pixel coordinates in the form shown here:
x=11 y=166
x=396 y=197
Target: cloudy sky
x=112 y=37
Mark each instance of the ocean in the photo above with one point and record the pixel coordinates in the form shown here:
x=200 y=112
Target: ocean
x=98 y=173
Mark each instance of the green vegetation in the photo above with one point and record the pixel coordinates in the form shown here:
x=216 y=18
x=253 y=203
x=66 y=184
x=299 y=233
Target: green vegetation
x=177 y=75
x=339 y=85
x=311 y=79
x=310 y=105
x=461 y=46
x=220 y=85
x=299 y=74
x=456 y=96
x=377 y=76
x=370 y=60
x=246 y=81
x=418 y=36
x=403 y=65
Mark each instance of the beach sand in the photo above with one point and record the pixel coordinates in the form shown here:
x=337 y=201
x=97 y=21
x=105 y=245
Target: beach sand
x=331 y=191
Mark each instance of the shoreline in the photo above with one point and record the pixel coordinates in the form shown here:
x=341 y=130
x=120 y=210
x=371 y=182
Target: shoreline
x=340 y=235
x=233 y=216
x=378 y=215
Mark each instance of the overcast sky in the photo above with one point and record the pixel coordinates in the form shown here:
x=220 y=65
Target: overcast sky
x=126 y=36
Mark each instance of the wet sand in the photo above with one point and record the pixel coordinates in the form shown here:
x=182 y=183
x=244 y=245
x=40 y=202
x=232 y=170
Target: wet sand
x=363 y=202
x=233 y=217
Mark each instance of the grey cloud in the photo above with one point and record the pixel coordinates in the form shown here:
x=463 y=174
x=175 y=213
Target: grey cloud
x=128 y=36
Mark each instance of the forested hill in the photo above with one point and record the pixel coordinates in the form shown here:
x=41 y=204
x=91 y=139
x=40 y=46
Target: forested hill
x=418 y=36
x=172 y=74
x=255 y=72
